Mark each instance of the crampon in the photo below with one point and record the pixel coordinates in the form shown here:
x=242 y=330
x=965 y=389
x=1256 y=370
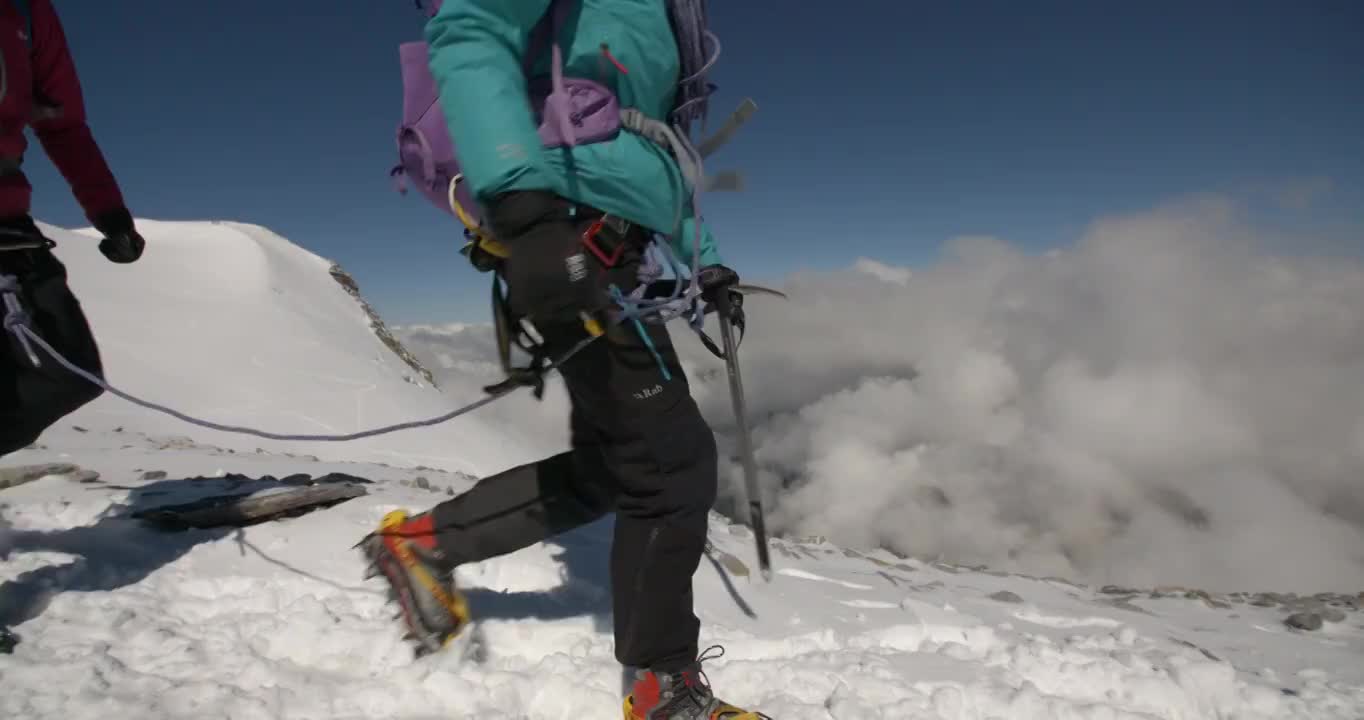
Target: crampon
x=403 y=551
x=684 y=695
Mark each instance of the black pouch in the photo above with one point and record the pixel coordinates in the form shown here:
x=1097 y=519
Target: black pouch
x=33 y=397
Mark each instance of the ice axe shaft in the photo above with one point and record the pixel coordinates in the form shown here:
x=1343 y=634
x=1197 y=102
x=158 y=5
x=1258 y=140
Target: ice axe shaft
x=736 y=393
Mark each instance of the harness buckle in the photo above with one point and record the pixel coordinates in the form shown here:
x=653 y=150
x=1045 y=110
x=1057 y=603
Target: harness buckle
x=592 y=235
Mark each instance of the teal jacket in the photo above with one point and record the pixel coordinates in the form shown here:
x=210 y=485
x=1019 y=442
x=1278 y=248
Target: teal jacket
x=476 y=47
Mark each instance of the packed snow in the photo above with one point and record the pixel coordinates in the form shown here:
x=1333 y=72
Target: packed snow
x=230 y=322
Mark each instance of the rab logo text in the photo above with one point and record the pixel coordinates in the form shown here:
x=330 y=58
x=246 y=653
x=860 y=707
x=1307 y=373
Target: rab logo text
x=647 y=393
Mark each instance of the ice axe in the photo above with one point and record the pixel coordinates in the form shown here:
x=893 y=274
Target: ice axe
x=724 y=309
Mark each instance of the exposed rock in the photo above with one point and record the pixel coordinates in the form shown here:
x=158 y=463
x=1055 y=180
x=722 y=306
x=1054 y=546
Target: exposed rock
x=1333 y=615
x=1208 y=599
x=241 y=510
x=178 y=442
x=377 y=324
x=1006 y=597
x=1304 y=621
x=422 y=482
x=1118 y=590
x=154 y=475
x=84 y=476
x=15 y=476
x=1123 y=603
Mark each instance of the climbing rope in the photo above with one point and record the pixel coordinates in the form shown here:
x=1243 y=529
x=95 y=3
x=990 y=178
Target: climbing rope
x=637 y=307
x=17 y=322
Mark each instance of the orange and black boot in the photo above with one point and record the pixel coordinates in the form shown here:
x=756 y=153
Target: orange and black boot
x=683 y=695
x=404 y=551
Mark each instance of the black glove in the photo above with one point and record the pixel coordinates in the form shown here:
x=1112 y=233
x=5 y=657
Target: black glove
x=717 y=279
x=714 y=278
x=716 y=282
x=121 y=243
x=551 y=278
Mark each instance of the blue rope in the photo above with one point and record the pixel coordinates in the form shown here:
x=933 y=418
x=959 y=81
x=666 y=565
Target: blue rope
x=634 y=317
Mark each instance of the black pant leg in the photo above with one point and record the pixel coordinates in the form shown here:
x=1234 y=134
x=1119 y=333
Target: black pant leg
x=641 y=442
x=33 y=399
x=662 y=454
x=527 y=504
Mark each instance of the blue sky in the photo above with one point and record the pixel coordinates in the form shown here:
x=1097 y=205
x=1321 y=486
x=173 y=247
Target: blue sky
x=885 y=128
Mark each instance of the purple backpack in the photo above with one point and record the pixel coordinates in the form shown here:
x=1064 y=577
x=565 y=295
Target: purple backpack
x=570 y=110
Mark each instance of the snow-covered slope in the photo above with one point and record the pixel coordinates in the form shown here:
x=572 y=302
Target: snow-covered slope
x=274 y=621
x=231 y=323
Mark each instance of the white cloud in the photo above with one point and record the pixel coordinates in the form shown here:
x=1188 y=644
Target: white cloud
x=882 y=271
x=1160 y=403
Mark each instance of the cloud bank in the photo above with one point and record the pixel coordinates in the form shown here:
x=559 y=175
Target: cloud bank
x=1171 y=400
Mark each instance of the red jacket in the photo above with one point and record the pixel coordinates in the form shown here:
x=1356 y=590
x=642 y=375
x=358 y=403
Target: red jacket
x=42 y=91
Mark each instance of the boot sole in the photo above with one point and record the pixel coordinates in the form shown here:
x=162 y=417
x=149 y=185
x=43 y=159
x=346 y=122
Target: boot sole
x=381 y=553
x=629 y=711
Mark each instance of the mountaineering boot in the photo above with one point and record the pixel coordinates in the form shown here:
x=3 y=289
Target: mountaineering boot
x=404 y=551
x=683 y=695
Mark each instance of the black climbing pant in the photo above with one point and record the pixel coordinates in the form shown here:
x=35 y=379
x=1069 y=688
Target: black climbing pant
x=639 y=448
x=32 y=399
